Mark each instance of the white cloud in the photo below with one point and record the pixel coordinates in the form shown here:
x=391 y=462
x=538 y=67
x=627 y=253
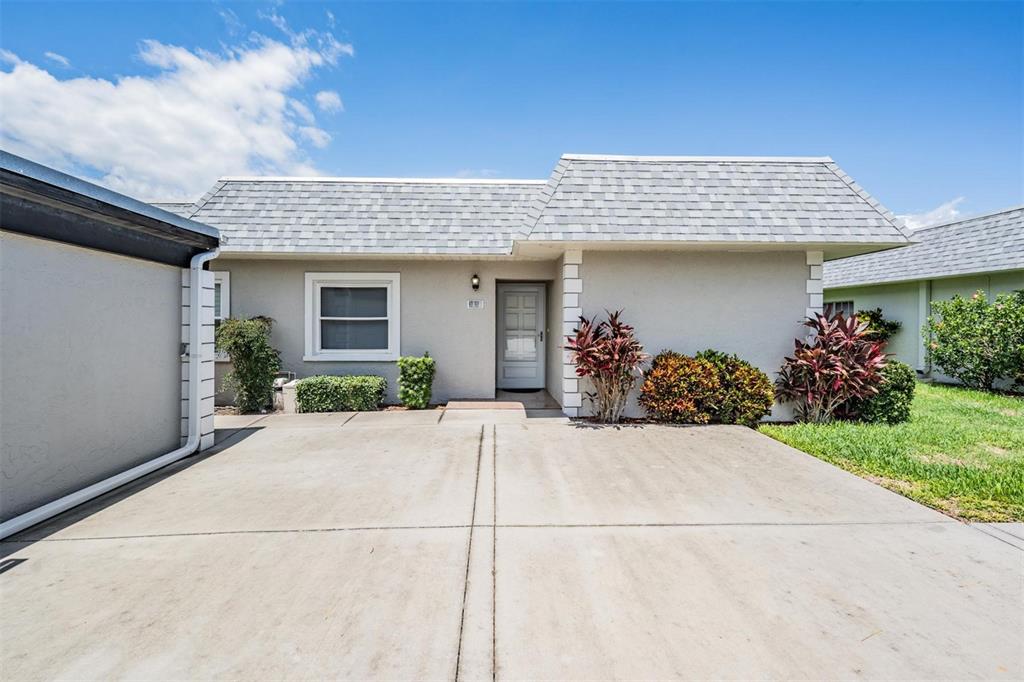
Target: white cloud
x=231 y=21
x=943 y=213
x=172 y=134
x=329 y=101
x=477 y=173
x=58 y=58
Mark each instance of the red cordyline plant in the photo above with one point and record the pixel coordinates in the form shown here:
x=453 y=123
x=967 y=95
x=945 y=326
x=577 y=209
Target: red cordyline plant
x=608 y=353
x=834 y=368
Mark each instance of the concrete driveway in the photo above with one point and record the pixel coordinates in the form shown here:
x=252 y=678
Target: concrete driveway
x=389 y=545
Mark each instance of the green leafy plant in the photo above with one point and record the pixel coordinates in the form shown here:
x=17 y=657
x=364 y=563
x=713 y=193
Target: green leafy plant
x=680 y=389
x=325 y=393
x=978 y=342
x=891 y=405
x=253 y=361
x=608 y=354
x=415 y=380
x=711 y=387
x=836 y=366
x=746 y=392
x=879 y=328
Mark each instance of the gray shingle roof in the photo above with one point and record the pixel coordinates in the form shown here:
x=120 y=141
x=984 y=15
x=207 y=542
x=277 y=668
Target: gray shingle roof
x=588 y=198
x=182 y=208
x=367 y=215
x=987 y=243
x=714 y=199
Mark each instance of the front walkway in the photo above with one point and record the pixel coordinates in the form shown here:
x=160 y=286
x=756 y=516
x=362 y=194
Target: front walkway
x=394 y=545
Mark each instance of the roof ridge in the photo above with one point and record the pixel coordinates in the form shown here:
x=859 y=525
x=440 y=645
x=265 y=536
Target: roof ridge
x=977 y=216
x=736 y=159
x=871 y=201
x=536 y=206
x=381 y=180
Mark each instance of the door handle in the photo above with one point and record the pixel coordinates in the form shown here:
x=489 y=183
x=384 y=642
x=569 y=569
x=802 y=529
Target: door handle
x=542 y=336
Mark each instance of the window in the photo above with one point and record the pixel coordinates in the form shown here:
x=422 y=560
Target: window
x=352 y=316
x=221 y=304
x=844 y=307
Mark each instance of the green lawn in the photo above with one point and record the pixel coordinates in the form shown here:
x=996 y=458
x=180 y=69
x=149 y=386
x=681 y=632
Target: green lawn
x=962 y=452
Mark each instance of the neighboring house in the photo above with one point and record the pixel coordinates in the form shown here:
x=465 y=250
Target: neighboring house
x=982 y=253
x=489 y=276
x=95 y=323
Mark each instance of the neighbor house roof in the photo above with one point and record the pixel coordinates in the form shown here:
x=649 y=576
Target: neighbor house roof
x=368 y=215
x=790 y=200
x=987 y=243
x=182 y=208
x=708 y=199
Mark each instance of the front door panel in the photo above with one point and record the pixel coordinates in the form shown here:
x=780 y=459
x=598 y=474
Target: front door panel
x=521 y=318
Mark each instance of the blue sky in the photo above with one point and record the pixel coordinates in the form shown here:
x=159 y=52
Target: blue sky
x=920 y=102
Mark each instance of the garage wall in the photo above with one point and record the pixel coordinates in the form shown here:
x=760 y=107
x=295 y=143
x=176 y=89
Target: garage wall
x=90 y=367
x=435 y=316
x=744 y=303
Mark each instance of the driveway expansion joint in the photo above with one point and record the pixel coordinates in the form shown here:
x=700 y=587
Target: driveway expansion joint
x=469 y=552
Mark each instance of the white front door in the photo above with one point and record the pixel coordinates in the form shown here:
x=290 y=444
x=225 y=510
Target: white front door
x=521 y=335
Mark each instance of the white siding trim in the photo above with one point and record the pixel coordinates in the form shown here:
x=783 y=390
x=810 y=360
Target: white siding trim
x=572 y=302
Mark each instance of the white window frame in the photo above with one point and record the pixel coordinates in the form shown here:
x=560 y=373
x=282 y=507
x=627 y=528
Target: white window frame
x=318 y=280
x=830 y=306
x=224 y=279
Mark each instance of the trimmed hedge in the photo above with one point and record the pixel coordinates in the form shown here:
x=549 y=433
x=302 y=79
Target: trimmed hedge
x=340 y=394
x=415 y=380
x=711 y=387
x=891 y=405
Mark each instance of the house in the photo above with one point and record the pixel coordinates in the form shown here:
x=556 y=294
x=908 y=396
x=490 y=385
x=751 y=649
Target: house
x=489 y=276
x=983 y=253
x=99 y=333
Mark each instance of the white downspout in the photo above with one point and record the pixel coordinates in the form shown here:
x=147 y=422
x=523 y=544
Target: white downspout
x=40 y=514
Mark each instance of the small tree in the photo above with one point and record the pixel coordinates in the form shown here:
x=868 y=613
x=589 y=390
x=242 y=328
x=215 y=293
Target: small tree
x=609 y=354
x=253 y=362
x=978 y=342
x=879 y=328
x=836 y=367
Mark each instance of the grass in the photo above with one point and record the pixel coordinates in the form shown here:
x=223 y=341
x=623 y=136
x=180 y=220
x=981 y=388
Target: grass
x=962 y=452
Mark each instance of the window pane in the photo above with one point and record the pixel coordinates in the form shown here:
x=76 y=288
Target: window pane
x=216 y=300
x=349 y=335
x=353 y=302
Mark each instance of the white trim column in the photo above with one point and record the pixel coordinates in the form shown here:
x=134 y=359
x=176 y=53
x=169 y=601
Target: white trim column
x=206 y=367
x=815 y=290
x=572 y=308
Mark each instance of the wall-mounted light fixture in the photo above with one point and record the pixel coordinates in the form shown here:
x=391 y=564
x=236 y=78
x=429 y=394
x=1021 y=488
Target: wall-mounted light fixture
x=475 y=281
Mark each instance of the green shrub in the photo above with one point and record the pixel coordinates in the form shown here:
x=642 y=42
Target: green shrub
x=415 y=380
x=746 y=393
x=339 y=394
x=879 y=328
x=891 y=405
x=711 y=387
x=978 y=342
x=253 y=362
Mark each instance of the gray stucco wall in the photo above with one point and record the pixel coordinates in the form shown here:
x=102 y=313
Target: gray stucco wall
x=901 y=301
x=90 y=367
x=435 y=317
x=744 y=303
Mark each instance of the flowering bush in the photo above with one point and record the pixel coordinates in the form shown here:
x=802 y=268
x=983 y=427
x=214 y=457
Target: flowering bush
x=837 y=366
x=978 y=342
x=609 y=354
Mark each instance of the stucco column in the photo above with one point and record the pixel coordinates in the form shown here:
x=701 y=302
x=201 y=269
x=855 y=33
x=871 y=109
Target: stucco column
x=572 y=308
x=815 y=290
x=206 y=367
